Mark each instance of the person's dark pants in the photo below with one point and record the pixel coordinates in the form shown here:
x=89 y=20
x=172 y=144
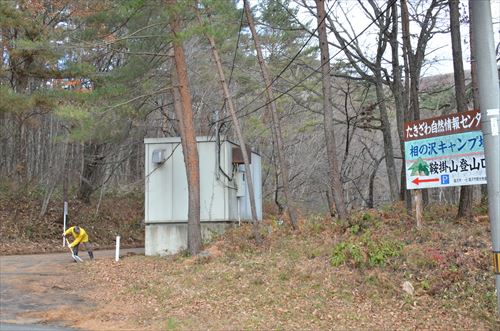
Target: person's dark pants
x=88 y=247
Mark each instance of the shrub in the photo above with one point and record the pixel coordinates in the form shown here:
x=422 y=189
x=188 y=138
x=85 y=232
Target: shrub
x=338 y=256
x=365 y=253
x=379 y=253
x=315 y=224
x=360 y=222
x=418 y=258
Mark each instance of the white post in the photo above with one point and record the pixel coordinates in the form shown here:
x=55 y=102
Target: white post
x=238 y=200
x=419 y=209
x=117 y=251
x=65 y=213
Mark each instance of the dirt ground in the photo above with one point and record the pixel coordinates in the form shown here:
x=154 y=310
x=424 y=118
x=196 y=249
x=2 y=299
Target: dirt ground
x=34 y=287
x=327 y=275
x=294 y=281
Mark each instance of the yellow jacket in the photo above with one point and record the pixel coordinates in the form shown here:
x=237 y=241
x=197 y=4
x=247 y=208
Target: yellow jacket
x=82 y=237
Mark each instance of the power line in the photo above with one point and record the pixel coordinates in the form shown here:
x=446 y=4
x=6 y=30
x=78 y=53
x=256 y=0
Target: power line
x=237 y=46
x=389 y=5
x=302 y=48
x=232 y=68
x=288 y=65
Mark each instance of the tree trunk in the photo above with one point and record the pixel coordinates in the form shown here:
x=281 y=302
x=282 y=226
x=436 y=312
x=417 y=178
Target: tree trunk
x=414 y=62
x=21 y=163
x=400 y=100
x=190 y=149
x=277 y=202
x=331 y=203
x=388 y=147
x=232 y=110
x=331 y=148
x=415 y=59
x=275 y=121
x=466 y=192
x=371 y=187
x=92 y=168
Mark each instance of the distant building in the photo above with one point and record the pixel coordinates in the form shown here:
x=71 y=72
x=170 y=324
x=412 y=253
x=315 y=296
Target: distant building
x=78 y=85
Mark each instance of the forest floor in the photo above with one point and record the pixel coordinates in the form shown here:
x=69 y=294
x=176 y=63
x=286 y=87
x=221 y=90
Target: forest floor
x=24 y=231
x=374 y=271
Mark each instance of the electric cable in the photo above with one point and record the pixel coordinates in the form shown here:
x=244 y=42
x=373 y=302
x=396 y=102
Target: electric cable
x=236 y=48
x=234 y=56
x=389 y=5
x=288 y=64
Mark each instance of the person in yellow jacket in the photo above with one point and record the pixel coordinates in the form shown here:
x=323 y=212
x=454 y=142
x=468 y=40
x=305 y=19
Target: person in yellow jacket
x=80 y=236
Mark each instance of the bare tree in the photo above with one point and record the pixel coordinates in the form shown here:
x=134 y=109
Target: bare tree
x=357 y=58
x=232 y=110
x=275 y=122
x=331 y=148
x=466 y=192
x=414 y=58
x=400 y=98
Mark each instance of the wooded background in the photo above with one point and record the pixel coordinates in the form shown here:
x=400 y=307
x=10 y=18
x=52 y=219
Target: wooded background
x=319 y=89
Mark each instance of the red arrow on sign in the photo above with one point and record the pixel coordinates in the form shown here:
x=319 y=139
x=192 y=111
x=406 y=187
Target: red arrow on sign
x=417 y=180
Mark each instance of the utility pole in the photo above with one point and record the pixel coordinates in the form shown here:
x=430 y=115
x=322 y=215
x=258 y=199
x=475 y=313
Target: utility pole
x=489 y=101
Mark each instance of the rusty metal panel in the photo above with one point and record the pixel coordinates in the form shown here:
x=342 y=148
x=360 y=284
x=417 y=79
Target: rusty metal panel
x=238 y=155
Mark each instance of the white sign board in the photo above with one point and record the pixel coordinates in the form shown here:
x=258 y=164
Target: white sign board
x=441 y=158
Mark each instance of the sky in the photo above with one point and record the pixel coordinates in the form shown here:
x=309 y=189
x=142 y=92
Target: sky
x=446 y=64
x=439 y=48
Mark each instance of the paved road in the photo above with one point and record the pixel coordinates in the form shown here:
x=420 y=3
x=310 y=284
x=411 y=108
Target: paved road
x=31 y=327
x=29 y=283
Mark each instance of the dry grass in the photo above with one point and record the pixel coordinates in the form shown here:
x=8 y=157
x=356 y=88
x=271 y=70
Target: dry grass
x=22 y=231
x=327 y=275
x=289 y=282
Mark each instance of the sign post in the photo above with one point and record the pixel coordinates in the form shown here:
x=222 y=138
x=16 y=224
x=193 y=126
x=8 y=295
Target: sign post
x=445 y=151
x=65 y=218
x=489 y=102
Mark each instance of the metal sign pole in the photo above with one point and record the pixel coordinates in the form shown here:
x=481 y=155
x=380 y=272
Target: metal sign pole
x=65 y=217
x=489 y=102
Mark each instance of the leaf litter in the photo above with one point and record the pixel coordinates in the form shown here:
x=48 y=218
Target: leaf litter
x=289 y=282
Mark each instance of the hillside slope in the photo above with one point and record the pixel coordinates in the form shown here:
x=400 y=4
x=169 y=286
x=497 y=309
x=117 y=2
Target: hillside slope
x=23 y=231
x=375 y=271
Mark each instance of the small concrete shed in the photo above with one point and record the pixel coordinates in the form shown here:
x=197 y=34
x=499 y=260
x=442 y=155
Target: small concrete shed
x=224 y=197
